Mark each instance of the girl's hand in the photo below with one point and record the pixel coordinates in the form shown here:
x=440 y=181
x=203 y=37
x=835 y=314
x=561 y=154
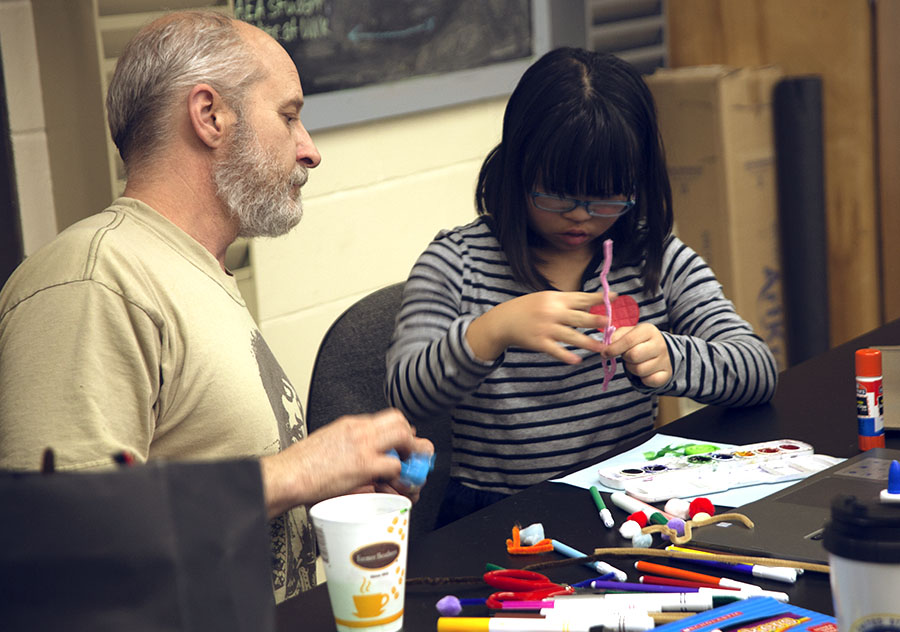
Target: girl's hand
x=644 y=352
x=541 y=321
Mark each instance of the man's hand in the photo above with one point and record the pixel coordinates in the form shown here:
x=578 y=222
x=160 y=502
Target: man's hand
x=339 y=458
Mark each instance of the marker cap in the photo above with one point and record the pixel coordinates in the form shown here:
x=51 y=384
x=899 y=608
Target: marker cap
x=778 y=573
x=463 y=624
x=607 y=518
x=733 y=583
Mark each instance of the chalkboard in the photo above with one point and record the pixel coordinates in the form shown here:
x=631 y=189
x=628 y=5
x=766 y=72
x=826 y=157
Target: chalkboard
x=340 y=44
x=394 y=56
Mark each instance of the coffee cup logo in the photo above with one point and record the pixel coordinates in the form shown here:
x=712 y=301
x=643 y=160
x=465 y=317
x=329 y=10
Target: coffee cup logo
x=374 y=556
x=369 y=604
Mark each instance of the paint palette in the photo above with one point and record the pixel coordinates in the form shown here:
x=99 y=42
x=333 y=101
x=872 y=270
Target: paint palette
x=695 y=475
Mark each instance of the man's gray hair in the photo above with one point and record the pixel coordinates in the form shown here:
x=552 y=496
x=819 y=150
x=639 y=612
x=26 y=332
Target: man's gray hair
x=161 y=64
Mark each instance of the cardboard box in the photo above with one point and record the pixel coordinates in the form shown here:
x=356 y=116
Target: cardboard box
x=886 y=22
x=716 y=124
x=890 y=370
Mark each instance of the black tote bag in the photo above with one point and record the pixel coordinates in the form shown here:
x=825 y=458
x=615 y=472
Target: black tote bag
x=163 y=546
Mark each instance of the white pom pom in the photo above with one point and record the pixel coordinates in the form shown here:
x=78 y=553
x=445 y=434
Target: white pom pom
x=629 y=529
x=642 y=541
x=678 y=507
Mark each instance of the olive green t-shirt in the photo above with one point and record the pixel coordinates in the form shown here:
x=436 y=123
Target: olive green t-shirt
x=124 y=333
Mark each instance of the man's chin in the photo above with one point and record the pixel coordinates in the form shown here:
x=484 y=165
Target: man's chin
x=272 y=228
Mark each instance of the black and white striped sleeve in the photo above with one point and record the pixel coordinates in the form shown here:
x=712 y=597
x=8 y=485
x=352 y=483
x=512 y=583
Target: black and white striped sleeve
x=716 y=356
x=429 y=365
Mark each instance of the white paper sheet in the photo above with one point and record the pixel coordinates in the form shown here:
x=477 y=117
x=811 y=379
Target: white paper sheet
x=732 y=498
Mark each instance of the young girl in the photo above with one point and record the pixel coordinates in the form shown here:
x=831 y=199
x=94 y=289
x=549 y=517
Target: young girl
x=495 y=325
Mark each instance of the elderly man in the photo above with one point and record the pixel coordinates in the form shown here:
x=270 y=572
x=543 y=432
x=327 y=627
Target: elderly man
x=127 y=332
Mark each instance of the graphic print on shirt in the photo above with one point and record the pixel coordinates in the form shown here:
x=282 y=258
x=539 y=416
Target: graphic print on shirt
x=293 y=543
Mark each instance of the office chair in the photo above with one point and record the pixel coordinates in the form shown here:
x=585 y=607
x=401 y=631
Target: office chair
x=348 y=378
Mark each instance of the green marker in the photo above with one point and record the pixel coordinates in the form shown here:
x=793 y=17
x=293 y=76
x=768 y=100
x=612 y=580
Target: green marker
x=601 y=507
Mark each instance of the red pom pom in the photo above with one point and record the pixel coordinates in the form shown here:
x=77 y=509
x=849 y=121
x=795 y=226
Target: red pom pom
x=639 y=517
x=699 y=505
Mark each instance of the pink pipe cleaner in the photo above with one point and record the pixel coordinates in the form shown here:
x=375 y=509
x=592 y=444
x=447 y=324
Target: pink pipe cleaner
x=609 y=366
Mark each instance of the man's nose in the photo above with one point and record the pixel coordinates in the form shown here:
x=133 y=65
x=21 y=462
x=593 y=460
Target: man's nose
x=307 y=152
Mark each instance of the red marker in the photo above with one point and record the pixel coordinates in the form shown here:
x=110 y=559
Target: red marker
x=678 y=573
x=677 y=583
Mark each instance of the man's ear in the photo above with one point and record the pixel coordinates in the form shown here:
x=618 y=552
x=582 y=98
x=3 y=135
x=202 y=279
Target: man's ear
x=209 y=115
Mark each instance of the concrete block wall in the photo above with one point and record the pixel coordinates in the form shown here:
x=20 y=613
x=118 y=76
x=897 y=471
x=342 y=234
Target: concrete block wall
x=383 y=191
x=26 y=121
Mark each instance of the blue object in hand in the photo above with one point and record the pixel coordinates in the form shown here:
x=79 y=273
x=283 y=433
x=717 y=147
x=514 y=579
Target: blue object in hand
x=414 y=470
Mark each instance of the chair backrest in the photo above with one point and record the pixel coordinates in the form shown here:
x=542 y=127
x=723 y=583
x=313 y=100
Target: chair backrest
x=348 y=378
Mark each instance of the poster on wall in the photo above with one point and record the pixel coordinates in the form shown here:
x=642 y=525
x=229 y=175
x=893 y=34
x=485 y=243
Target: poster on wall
x=341 y=44
x=346 y=45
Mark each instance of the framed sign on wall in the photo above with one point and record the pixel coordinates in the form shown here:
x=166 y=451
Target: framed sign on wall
x=366 y=59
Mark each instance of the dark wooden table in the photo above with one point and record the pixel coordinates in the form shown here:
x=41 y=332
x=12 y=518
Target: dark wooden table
x=815 y=403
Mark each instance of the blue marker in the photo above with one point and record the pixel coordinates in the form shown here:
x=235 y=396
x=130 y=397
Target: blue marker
x=600 y=567
x=587 y=582
x=777 y=573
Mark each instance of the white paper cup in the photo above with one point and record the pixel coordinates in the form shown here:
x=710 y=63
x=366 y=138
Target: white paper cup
x=863 y=542
x=363 y=540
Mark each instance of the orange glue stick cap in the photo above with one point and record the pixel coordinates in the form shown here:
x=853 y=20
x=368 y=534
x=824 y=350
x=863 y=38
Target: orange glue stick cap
x=868 y=362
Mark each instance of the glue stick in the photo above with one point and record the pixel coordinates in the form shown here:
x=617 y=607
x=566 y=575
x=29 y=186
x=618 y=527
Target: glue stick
x=869 y=399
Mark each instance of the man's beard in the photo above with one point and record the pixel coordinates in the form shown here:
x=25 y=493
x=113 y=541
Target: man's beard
x=253 y=188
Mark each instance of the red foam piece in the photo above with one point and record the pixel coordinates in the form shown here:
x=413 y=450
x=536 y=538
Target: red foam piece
x=639 y=517
x=625 y=312
x=701 y=504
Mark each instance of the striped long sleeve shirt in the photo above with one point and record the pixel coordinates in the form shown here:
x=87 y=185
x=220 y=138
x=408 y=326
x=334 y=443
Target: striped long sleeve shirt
x=528 y=416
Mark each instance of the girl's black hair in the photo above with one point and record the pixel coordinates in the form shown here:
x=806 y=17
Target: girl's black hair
x=580 y=124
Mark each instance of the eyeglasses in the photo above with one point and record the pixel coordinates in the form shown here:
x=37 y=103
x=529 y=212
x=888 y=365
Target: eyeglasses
x=594 y=208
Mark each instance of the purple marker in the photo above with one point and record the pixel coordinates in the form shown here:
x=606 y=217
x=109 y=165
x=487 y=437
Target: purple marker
x=608 y=585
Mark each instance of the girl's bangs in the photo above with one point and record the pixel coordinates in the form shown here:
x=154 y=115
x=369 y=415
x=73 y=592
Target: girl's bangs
x=589 y=158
